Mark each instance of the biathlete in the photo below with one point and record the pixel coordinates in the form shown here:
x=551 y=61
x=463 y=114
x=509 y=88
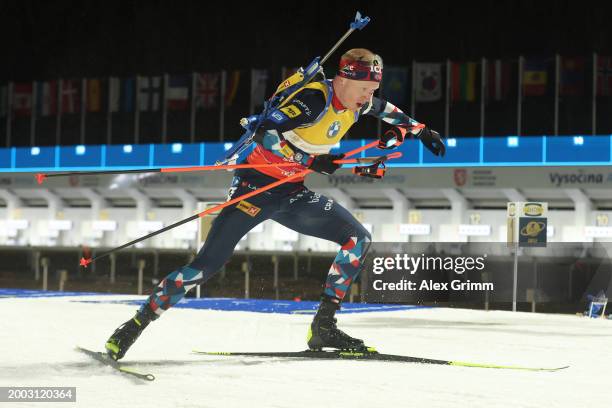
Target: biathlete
x=302 y=130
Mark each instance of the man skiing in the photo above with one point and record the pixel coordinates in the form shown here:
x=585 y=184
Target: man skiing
x=302 y=130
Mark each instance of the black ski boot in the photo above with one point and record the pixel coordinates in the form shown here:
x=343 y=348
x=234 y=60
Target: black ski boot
x=126 y=334
x=324 y=333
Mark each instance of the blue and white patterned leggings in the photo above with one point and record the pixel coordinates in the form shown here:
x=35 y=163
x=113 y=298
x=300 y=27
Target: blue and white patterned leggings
x=291 y=205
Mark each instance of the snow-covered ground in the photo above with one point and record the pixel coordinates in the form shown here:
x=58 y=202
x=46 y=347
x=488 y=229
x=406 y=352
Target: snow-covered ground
x=38 y=336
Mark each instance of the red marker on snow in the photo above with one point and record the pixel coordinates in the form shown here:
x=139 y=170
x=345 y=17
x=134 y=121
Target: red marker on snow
x=84 y=262
x=40 y=177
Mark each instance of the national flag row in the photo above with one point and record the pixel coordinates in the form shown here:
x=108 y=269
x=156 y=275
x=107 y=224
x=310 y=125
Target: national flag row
x=464 y=81
x=422 y=82
x=145 y=93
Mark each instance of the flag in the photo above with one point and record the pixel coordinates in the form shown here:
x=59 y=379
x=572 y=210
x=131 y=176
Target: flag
x=535 y=77
x=121 y=94
x=177 y=93
x=127 y=94
x=94 y=95
x=71 y=95
x=572 y=76
x=428 y=85
x=149 y=93
x=231 y=87
x=463 y=81
x=3 y=100
x=22 y=98
x=46 y=98
x=394 y=85
x=498 y=80
x=114 y=94
x=604 y=76
x=207 y=90
x=259 y=81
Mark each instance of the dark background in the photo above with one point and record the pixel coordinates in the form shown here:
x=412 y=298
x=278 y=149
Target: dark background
x=74 y=39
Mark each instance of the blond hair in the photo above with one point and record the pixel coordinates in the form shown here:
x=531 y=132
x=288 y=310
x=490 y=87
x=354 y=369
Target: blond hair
x=362 y=54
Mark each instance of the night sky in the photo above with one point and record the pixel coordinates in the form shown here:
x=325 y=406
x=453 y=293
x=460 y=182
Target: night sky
x=46 y=39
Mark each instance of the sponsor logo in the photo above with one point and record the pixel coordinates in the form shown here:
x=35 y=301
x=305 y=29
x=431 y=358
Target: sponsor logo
x=231 y=192
x=533 y=209
x=559 y=179
x=292 y=111
x=286 y=150
x=149 y=180
x=278 y=117
x=533 y=229
x=460 y=176
x=482 y=178
x=354 y=179
x=334 y=129
x=532 y=232
x=307 y=110
x=298 y=157
x=248 y=208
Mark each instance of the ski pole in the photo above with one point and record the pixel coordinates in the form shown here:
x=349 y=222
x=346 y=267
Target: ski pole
x=41 y=177
x=86 y=261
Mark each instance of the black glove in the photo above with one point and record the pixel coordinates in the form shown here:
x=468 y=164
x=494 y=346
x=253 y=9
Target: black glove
x=432 y=141
x=324 y=163
x=392 y=138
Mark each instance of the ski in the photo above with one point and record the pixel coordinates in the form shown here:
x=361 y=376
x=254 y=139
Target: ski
x=106 y=360
x=368 y=354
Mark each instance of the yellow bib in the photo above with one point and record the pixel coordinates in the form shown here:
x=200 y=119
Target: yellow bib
x=319 y=136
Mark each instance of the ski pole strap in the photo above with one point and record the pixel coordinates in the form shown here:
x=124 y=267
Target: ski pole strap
x=375 y=159
x=376 y=170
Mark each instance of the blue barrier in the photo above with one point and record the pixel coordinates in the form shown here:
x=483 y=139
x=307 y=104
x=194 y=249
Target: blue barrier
x=226 y=304
x=306 y=307
x=517 y=150
x=475 y=152
x=127 y=155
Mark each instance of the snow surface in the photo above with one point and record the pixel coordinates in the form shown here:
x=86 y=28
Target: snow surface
x=38 y=337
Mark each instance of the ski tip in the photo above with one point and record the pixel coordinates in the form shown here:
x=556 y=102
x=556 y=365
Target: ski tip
x=127 y=370
x=504 y=367
x=212 y=353
x=40 y=177
x=84 y=262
